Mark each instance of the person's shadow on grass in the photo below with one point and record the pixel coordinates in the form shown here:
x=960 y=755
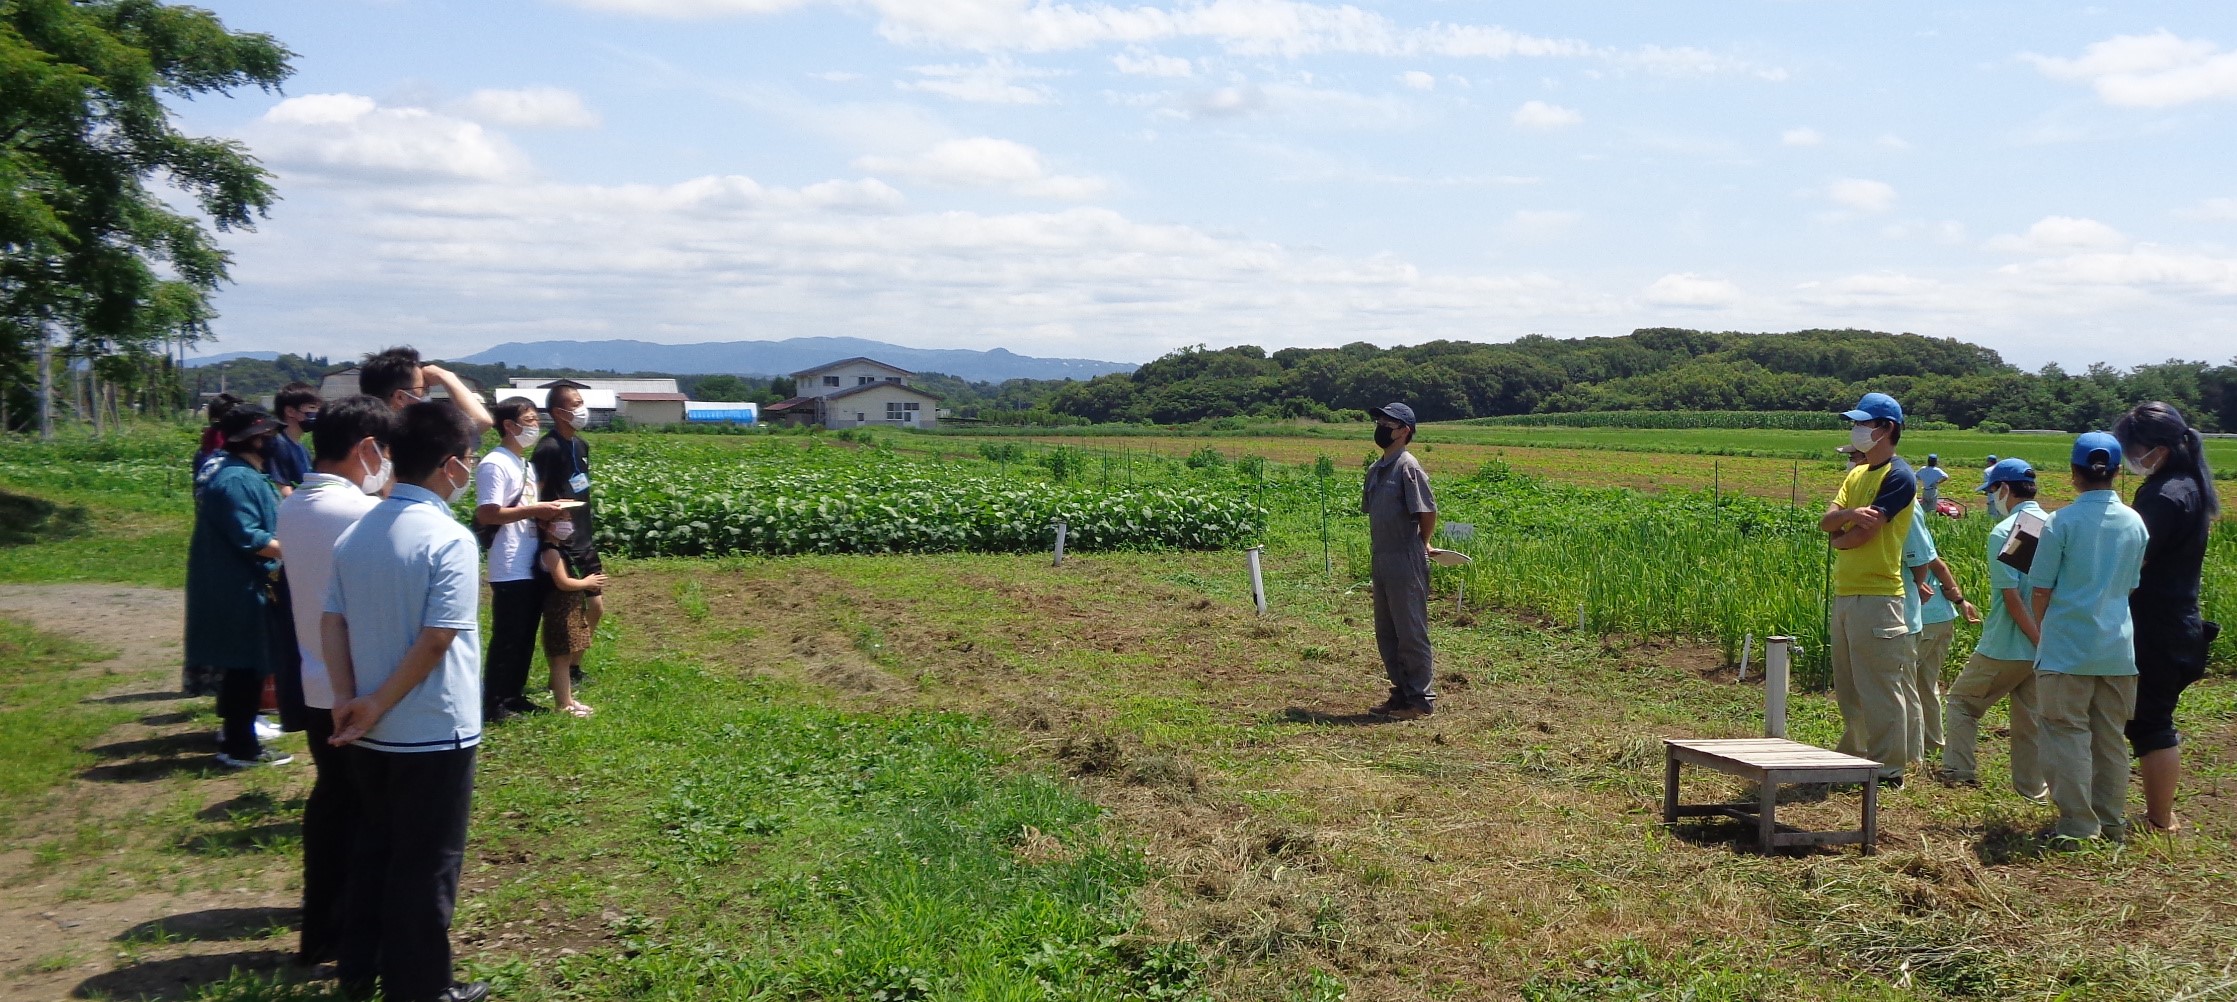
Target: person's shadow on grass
x=1302 y=715
x=190 y=977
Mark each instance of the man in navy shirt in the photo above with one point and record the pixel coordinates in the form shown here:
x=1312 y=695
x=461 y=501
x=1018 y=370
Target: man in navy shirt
x=288 y=462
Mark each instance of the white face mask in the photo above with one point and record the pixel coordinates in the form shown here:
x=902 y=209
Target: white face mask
x=562 y=530
x=1861 y=437
x=460 y=490
x=524 y=438
x=378 y=482
x=579 y=417
x=1996 y=504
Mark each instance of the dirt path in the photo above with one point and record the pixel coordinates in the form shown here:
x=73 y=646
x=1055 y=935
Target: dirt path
x=126 y=882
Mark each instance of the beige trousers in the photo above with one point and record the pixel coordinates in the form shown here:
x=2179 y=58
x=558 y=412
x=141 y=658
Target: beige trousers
x=2085 y=755
x=1874 y=679
x=1926 y=719
x=1978 y=687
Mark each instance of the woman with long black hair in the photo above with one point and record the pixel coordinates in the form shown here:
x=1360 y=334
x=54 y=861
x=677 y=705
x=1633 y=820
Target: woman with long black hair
x=2179 y=505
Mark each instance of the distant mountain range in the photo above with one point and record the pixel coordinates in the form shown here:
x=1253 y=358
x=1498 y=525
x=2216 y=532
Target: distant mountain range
x=226 y=356
x=780 y=358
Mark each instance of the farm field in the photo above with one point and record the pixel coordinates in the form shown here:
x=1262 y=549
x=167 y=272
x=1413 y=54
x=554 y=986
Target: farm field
x=970 y=774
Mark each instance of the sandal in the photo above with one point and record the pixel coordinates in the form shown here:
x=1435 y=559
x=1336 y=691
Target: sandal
x=2150 y=827
x=579 y=710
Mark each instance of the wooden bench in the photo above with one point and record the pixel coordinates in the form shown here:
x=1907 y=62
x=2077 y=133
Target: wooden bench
x=1771 y=762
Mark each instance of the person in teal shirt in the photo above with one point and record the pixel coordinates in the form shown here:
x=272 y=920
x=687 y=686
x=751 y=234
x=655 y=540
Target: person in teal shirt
x=1929 y=591
x=231 y=562
x=2003 y=662
x=2091 y=556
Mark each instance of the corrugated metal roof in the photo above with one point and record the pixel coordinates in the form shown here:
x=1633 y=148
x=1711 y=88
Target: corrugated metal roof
x=609 y=385
x=597 y=400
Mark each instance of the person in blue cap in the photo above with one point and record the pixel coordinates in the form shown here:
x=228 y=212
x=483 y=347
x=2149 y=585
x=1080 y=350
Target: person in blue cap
x=2003 y=662
x=1401 y=519
x=1874 y=652
x=1930 y=483
x=2090 y=558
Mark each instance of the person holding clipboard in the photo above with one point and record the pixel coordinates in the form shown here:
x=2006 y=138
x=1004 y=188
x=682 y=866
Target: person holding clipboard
x=2003 y=663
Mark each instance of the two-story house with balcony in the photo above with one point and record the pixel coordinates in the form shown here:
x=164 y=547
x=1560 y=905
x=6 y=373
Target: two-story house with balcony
x=853 y=392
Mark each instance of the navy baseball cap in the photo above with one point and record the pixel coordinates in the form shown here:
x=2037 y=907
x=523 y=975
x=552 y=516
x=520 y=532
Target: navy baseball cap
x=2090 y=443
x=2007 y=471
x=1396 y=412
x=248 y=422
x=1876 y=407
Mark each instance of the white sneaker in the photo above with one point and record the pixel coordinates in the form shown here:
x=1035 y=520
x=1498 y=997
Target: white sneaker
x=268 y=729
x=266 y=757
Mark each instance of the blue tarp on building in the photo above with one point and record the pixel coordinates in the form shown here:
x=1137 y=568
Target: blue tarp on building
x=711 y=412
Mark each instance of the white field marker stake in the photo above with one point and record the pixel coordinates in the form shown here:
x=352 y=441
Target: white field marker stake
x=1060 y=529
x=1747 y=654
x=1258 y=582
x=1774 y=685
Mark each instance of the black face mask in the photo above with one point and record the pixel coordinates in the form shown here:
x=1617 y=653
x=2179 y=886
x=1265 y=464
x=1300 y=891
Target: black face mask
x=1385 y=436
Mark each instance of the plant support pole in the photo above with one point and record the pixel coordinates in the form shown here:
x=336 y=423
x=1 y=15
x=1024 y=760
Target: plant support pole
x=1060 y=530
x=1747 y=653
x=1258 y=582
x=1774 y=686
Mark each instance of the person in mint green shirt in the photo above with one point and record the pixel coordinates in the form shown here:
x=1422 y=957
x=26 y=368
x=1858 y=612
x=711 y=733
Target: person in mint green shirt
x=1929 y=593
x=2003 y=662
x=2091 y=556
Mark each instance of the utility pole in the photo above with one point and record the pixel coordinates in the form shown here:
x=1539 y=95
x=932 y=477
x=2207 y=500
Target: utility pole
x=46 y=385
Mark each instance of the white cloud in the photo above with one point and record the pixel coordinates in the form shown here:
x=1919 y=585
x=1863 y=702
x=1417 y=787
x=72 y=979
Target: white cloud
x=454 y=268
x=2219 y=210
x=996 y=81
x=1253 y=27
x=2152 y=269
x=1891 y=141
x=1534 y=225
x=1686 y=60
x=1143 y=63
x=985 y=162
x=2158 y=70
x=528 y=108
x=1692 y=291
x=1801 y=136
x=1861 y=195
x=2061 y=235
x=1418 y=80
x=1540 y=115
x=347 y=134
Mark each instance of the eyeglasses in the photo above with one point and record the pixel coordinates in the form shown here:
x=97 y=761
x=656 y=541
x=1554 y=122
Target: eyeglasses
x=418 y=392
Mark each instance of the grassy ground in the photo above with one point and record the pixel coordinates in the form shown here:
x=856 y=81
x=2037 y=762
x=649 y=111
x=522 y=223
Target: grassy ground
x=976 y=776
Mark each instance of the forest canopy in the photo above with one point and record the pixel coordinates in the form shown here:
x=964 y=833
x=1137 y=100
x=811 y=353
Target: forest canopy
x=1938 y=379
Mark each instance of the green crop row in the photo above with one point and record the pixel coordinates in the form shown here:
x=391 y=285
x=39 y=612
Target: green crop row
x=787 y=500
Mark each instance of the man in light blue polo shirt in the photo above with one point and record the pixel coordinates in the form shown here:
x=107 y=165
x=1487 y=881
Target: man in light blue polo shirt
x=2090 y=558
x=401 y=639
x=2003 y=663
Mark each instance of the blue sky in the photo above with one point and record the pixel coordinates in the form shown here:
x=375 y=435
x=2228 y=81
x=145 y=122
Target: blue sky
x=1115 y=180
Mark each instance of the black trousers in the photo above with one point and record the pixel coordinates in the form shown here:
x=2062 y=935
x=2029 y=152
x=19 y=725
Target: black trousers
x=2170 y=655
x=330 y=823
x=240 y=694
x=403 y=879
x=515 y=609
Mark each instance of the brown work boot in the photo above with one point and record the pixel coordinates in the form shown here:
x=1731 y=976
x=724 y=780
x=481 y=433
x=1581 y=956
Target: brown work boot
x=1401 y=711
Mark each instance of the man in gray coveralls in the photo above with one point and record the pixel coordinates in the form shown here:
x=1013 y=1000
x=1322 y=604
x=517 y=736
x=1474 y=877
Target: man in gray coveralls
x=1401 y=517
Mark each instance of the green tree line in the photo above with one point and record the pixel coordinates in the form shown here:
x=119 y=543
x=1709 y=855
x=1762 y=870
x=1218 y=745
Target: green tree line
x=1660 y=369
